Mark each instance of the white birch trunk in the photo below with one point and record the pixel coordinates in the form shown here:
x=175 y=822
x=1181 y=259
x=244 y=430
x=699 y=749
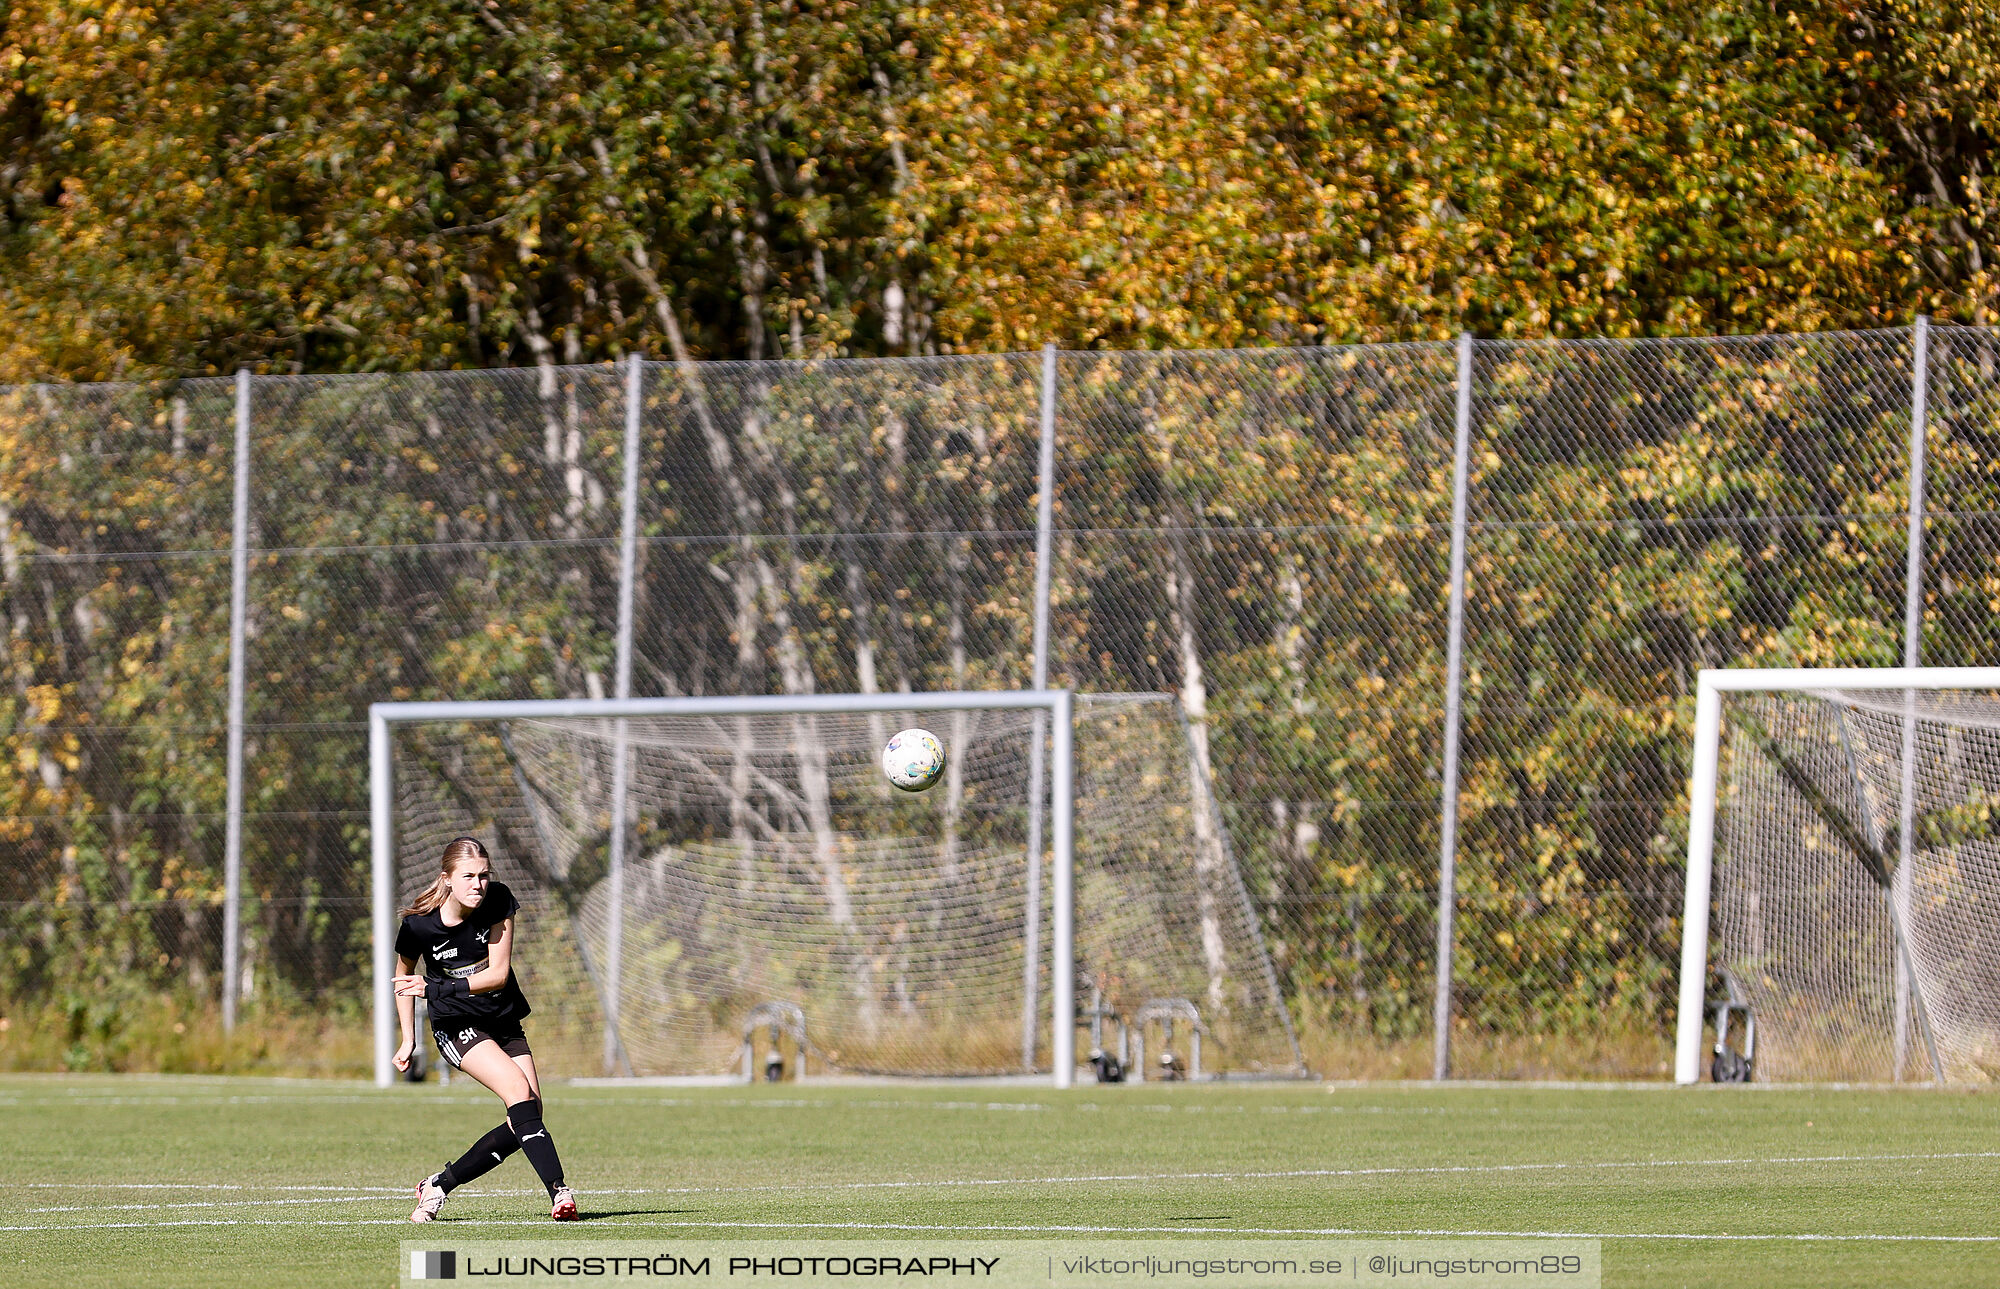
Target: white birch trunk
x=1210 y=861
x=954 y=774
x=1300 y=830
x=722 y=460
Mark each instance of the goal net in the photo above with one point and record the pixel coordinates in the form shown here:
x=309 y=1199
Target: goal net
x=1854 y=875
x=767 y=859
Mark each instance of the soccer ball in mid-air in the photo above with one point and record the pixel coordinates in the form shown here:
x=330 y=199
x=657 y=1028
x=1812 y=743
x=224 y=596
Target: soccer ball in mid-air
x=913 y=760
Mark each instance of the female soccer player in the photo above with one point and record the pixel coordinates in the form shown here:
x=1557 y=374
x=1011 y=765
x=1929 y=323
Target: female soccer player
x=463 y=928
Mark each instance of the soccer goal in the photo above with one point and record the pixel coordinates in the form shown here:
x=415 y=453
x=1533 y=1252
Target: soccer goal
x=1844 y=870
x=684 y=862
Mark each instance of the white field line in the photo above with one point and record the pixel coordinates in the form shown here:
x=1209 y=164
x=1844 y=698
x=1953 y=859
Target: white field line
x=1280 y=1174
x=940 y=1183
x=400 y=1198
x=1427 y=1232
x=83 y=1100
x=188 y=1186
x=234 y=1203
x=303 y=1091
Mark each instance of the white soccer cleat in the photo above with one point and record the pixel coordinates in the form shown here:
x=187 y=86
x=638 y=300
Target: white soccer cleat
x=564 y=1208
x=430 y=1198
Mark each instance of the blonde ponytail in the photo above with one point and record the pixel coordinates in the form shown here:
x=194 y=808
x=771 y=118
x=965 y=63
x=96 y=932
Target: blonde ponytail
x=456 y=852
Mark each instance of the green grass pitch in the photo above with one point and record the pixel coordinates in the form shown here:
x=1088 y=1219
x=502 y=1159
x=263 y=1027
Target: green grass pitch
x=213 y=1182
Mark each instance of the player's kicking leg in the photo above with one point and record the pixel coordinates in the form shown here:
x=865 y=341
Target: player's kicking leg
x=562 y=1200
x=505 y=1076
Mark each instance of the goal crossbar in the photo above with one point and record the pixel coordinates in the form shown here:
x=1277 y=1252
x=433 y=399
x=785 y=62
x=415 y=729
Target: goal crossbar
x=1712 y=684
x=1058 y=703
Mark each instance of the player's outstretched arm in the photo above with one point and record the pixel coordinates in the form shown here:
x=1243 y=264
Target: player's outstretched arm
x=406 y=1010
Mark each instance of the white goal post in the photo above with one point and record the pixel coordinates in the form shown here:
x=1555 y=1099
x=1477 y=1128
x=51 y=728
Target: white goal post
x=1058 y=704
x=1859 y=868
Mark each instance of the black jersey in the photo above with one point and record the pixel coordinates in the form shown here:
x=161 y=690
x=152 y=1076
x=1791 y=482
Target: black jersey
x=455 y=952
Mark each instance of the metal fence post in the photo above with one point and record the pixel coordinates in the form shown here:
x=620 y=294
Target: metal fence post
x=1913 y=643
x=382 y=894
x=1062 y=910
x=1454 y=665
x=239 y=586
x=628 y=567
x=1044 y=524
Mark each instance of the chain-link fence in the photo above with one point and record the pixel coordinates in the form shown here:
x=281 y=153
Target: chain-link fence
x=1266 y=534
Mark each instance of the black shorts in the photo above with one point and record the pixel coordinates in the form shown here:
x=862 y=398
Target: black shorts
x=455 y=1042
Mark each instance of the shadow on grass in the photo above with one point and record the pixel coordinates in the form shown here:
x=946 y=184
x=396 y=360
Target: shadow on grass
x=590 y=1215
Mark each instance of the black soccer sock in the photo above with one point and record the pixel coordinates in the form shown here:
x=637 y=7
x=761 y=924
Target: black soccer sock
x=487 y=1154
x=526 y=1118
